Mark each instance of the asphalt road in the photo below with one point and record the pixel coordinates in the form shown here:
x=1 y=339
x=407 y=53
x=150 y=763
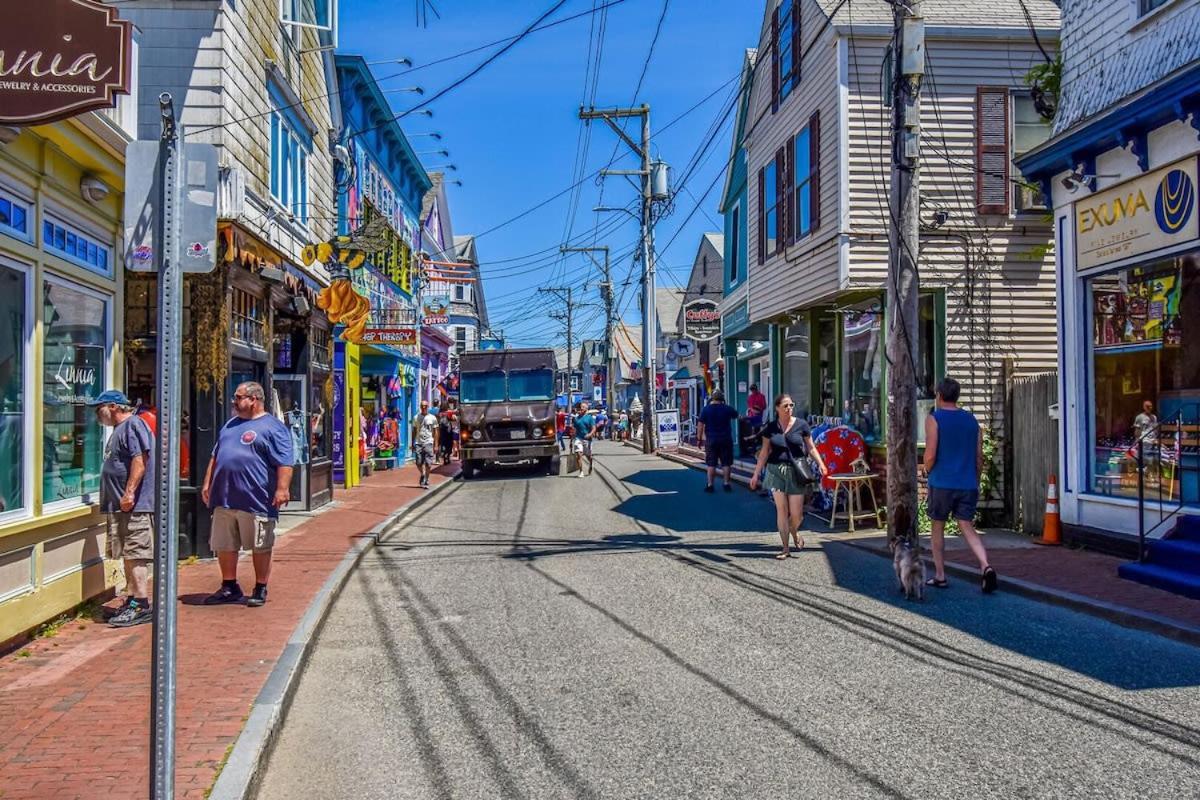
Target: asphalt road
x=625 y=635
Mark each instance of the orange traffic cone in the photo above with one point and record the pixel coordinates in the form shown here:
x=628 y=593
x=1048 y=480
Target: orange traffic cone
x=1051 y=528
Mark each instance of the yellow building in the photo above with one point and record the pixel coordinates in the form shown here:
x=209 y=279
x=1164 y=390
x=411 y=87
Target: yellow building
x=61 y=305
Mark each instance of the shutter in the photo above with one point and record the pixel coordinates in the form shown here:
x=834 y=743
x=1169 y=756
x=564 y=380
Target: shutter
x=782 y=191
x=762 y=219
x=795 y=43
x=991 y=150
x=775 y=60
x=814 y=164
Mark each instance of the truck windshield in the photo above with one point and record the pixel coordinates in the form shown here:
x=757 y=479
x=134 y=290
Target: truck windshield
x=532 y=384
x=482 y=387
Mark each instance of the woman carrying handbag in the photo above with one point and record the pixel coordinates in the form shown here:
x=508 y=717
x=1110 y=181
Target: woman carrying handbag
x=786 y=445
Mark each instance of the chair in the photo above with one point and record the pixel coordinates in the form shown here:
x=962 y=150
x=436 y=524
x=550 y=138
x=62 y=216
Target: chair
x=853 y=483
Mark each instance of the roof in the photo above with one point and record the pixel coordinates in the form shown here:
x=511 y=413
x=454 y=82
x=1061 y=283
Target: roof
x=717 y=240
x=735 y=168
x=435 y=183
x=464 y=249
x=958 y=13
x=667 y=303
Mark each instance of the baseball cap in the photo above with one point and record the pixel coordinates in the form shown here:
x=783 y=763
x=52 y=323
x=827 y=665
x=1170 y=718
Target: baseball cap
x=110 y=396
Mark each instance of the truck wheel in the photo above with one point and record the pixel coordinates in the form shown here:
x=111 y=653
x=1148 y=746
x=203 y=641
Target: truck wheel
x=469 y=467
x=551 y=463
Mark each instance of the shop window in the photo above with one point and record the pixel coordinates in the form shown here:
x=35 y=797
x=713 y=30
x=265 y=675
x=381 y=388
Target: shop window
x=862 y=369
x=797 y=366
x=289 y=164
x=927 y=359
x=76 y=246
x=320 y=345
x=141 y=306
x=249 y=317
x=318 y=442
x=827 y=361
x=14 y=216
x=13 y=335
x=1030 y=129
x=1145 y=375
x=75 y=351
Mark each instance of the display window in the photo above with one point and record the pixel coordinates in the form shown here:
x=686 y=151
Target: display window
x=75 y=358
x=1145 y=380
x=862 y=368
x=14 y=424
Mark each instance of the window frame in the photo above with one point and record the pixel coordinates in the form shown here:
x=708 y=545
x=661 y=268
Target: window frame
x=773 y=209
x=14 y=198
x=1016 y=190
x=290 y=149
x=30 y=479
x=69 y=229
x=785 y=23
x=109 y=304
x=811 y=134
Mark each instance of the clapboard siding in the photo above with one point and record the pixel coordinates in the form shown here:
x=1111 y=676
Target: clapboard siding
x=809 y=268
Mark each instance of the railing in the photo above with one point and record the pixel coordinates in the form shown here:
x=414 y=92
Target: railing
x=1173 y=449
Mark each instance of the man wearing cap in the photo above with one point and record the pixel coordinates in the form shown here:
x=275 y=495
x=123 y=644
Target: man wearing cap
x=246 y=484
x=716 y=434
x=128 y=500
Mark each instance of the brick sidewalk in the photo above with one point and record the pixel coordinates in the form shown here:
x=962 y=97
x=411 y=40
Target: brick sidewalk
x=75 y=708
x=1085 y=573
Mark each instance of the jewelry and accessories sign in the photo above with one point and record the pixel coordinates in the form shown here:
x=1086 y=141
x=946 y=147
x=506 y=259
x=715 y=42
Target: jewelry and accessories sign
x=1144 y=215
x=702 y=320
x=60 y=60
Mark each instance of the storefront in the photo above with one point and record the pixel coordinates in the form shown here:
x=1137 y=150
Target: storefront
x=435 y=363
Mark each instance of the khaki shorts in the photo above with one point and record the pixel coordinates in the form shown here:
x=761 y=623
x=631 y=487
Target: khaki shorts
x=240 y=530
x=131 y=536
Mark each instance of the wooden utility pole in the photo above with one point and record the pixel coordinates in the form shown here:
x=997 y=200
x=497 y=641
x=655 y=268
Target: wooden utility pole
x=649 y=323
x=606 y=294
x=564 y=292
x=903 y=284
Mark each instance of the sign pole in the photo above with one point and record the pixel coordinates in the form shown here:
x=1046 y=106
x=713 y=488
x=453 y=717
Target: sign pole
x=166 y=556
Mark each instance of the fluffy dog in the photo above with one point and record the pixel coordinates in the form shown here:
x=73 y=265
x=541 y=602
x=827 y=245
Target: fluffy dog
x=910 y=569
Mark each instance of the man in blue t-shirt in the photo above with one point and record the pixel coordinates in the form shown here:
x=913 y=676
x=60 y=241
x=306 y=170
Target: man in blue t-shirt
x=954 y=463
x=246 y=483
x=585 y=431
x=716 y=434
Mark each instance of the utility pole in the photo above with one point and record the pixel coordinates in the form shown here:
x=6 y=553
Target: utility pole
x=903 y=283
x=565 y=292
x=606 y=294
x=649 y=324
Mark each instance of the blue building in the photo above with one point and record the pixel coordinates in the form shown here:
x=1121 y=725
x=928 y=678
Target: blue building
x=381 y=182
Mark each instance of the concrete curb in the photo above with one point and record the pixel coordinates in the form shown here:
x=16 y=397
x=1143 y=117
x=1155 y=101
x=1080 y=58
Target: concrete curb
x=1120 y=615
x=238 y=779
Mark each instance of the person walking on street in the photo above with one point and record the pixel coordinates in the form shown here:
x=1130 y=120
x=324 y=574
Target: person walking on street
x=786 y=440
x=601 y=423
x=560 y=429
x=756 y=406
x=128 y=500
x=425 y=436
x=716 y=434
x=247 y=482
x=585 y=431
x=954 y=463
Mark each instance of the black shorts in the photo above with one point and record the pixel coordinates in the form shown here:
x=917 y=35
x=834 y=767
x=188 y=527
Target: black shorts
x=961 y=503
x=718 y=454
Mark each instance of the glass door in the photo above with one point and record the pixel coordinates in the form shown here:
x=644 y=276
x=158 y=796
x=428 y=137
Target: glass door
x=290 y=391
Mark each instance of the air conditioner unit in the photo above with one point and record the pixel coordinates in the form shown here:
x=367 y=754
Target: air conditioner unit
x=231 y=193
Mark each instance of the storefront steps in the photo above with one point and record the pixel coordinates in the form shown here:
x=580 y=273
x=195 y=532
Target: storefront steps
x=1172 y=563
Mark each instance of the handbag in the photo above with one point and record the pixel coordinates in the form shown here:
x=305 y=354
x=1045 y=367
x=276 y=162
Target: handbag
x=802 y=469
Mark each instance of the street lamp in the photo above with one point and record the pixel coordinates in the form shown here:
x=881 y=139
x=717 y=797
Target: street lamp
x=614 y=208
x=405 y=61
x=451 y=167
x=437 y=136
x=415 y=89
x=434 y=153
x=425 y=112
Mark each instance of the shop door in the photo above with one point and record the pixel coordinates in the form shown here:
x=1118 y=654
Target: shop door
x=760 y=373
x=292 y=395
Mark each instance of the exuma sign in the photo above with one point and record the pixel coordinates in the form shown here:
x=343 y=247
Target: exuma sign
x=62 y=59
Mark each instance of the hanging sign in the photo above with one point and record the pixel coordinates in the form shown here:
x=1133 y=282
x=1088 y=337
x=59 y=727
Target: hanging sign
x=65 y=58
x=1149 y=213
x=396 y=336
x=702 y=320
x=435 y=309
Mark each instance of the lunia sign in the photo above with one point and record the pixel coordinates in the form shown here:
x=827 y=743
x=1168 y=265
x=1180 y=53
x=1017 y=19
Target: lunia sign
x=60 y=60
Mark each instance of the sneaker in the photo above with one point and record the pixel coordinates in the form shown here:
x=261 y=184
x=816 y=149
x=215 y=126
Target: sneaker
x=582 y=473
x=132 y=614
x=110 y=613
x=258 y=597
x=226 y=594
x=708 y=490
x=728 y=487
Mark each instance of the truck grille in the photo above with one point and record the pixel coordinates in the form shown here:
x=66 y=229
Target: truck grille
x=503 y=431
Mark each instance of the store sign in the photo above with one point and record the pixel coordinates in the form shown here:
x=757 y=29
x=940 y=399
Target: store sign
x=668 y=427
x=702 y=320
x=394 y=336
x=435 y=309
x=1144 y=215
x=65 y=58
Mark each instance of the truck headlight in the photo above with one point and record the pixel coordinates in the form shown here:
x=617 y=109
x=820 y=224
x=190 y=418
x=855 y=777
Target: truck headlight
x=477 y=434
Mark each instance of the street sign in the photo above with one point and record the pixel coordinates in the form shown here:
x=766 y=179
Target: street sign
x=668 y=427
x=196 y=217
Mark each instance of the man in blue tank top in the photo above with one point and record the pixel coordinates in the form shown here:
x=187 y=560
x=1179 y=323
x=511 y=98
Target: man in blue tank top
x=954 y=462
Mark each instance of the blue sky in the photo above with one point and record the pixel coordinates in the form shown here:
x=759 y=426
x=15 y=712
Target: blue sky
x=513 y=132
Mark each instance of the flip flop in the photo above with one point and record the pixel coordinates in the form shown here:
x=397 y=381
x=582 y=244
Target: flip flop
x=942 y=584
x=782 y=556
x=990 y=580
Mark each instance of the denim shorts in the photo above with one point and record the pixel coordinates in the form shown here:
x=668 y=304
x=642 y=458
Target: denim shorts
x=959 y=502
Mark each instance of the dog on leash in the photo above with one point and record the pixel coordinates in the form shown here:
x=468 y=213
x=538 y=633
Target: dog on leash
x=910 y=569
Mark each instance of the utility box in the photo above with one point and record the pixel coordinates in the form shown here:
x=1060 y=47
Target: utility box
x=660 y=181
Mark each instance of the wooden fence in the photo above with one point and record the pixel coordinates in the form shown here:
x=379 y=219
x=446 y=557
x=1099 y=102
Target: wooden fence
x=1034 y=447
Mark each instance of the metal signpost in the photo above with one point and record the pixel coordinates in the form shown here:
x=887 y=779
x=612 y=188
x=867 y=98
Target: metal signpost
x=171 y=219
